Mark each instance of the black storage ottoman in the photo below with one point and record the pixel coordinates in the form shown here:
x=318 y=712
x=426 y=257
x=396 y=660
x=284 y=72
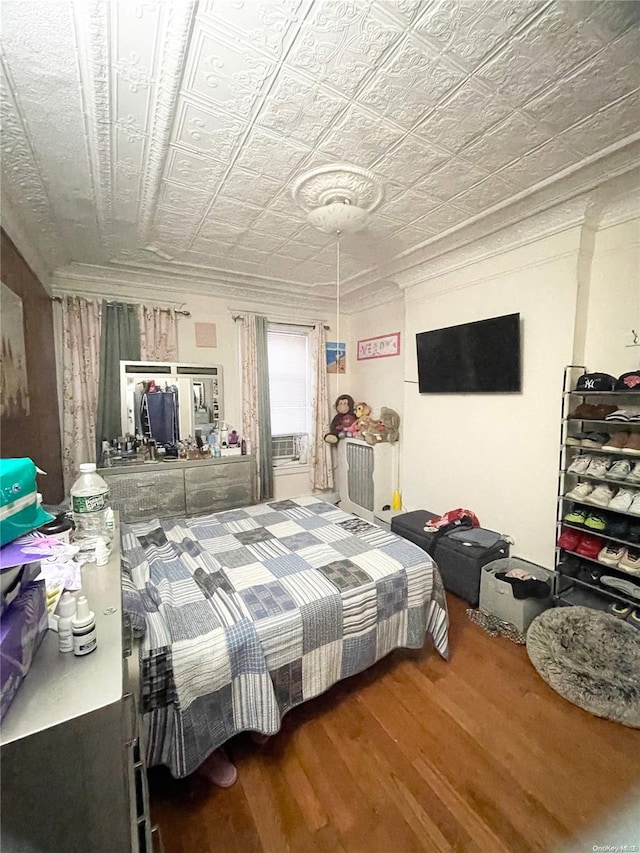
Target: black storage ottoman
x=460 y=564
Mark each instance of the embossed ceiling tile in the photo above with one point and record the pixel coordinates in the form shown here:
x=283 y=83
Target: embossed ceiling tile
x=469 y=30
x=410 y=161
x=189 y=200
x=451 y=178
x=310 y=236
x=470 y=111
x=410 y=205
x=410 y=83
x=297 y=251
x=209 y=131
x=340 y=42
x=211 y=246
x=267 y=25
x=614 y=72
x=194 y=170
x=309 y=271
x=404 y=10
x=484 y=195
x=236 y=213
x=413 y=235
x=359 y=137
x=539 y=164
x=505 y=142
x=225 y=73
x=283 y=226
x=271 y=155
x=240 y=253
x=219 y=232
x=613 y=17
x=133 y=24
x=298 y=109
x=550 y=48
x=606 y=127
x=244 y=186
x=446 y=216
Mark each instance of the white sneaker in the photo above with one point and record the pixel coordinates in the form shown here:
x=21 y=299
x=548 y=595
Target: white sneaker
x=635 y=504
x=601 y=495
x=622 y=501
x=580 y=464
x=580 y=492
x=598 y=466
x=620 y=470
x=634 y=476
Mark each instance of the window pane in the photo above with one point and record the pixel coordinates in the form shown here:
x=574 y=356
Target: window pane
x=288 y=381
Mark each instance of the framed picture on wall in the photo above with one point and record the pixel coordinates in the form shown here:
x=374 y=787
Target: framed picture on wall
x=383 y=346
x=336 y=357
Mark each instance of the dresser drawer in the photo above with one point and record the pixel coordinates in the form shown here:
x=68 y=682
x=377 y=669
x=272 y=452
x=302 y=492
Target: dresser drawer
x=219 y=487
x=225 y=472
x=148 y=494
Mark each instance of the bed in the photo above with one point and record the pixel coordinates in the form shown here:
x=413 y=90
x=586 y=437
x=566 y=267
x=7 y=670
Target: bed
x=244 y=614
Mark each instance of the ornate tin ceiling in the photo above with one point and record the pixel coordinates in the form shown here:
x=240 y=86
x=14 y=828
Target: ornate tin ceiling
x=167 y=136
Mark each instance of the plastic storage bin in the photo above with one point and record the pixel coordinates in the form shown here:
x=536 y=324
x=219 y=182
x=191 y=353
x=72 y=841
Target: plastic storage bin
x=496 y=596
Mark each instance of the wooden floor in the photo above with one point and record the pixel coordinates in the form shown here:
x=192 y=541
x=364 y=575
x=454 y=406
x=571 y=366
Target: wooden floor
x=476 y=754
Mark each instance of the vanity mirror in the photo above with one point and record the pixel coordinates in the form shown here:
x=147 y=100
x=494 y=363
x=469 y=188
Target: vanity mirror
x=170 y=400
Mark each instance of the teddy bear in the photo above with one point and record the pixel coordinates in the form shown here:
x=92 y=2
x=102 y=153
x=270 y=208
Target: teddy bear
x=344 y=418
x=386 y=428
x=363 y=415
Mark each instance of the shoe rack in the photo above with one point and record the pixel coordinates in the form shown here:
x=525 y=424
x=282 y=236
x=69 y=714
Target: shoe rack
x=579 y=566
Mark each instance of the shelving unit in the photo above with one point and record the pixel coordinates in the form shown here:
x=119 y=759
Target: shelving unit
x=568 y=589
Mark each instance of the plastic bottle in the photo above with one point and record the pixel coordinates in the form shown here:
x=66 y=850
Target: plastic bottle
x=102 y=552
x=91 y=511
x=83 y=626
x=243 y=447
x=66 y=611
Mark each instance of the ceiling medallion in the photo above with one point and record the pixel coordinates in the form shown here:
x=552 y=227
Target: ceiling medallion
x=337 y=198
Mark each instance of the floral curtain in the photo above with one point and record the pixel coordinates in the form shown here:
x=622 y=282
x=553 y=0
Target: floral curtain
x=321 y=470
x=80 y=369
x=158 y=334
x=256 y=414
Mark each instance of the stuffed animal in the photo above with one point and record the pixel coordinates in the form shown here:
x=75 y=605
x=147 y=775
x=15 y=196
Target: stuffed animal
x=386 y=428
x=344 y=418
x=363 y=415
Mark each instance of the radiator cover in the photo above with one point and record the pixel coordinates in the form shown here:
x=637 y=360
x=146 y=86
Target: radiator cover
x=365 y=476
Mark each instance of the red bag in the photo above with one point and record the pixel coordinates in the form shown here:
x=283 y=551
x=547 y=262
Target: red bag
x=454 y=517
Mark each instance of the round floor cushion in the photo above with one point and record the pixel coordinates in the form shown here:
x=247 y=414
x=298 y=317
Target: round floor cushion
x=590 y=658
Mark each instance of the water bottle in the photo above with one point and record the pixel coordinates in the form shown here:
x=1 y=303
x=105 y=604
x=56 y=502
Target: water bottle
x=91 y=512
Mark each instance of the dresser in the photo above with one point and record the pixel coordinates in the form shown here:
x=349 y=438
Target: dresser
x=71 y=764
x=142 y=491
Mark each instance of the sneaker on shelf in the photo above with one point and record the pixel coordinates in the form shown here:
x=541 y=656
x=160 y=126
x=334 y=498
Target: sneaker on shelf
x=577 y=439
x=590 y=574
x=620 y=470
x=611 y=554
x=622 y=585
x=589 y=546
x=630 y=563
x=632 y=534
x=584 y=412
x=596 y=522
x=634 y=617
x=617 y=442
x=570 y=566
x=618 y=527
x=634 y=507
x=595 y=440
x=601 y=495
x=633 y=444
x=635 y=417
x=580 y=464
x=622 y=415
x=598 y=466
x=606 y=409
x=580 y=492
x=622 y=501
x=576 y=515
x=620 y=610
x=634 y=475
x=569 y=539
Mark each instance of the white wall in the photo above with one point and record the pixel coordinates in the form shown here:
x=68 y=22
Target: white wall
x=496 y=454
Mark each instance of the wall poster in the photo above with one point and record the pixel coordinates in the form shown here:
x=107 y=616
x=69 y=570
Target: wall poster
x=14 y=392
x=384 y=346
x=336 y=357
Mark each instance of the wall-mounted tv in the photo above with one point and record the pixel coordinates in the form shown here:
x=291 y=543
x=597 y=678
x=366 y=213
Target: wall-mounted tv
x=475 y=357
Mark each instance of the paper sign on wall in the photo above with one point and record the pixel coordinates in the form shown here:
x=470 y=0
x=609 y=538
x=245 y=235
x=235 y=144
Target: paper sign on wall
x=384 y=346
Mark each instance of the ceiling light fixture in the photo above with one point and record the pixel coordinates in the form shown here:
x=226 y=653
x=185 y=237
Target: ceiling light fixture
x=338 y=199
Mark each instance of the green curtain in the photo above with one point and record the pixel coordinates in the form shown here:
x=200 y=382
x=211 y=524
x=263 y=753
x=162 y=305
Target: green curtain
x=264 y=411
x=119 y=339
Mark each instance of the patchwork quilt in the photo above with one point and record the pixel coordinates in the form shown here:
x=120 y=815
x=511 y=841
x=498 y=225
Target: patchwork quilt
x=247 y=613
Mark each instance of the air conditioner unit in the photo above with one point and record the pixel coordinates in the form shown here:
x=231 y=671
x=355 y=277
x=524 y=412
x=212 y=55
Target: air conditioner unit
x=365 y=476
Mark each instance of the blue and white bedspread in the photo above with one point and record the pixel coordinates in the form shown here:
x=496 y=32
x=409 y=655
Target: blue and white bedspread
x=252 y=611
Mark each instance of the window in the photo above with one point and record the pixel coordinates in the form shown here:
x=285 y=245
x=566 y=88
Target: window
x=289 y=382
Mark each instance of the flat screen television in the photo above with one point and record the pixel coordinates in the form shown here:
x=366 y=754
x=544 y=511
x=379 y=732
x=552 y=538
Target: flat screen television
x=479 y=357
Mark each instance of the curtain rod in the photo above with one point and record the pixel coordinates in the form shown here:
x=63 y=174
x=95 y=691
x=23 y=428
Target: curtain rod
x=168 y=310
x=235 y=317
